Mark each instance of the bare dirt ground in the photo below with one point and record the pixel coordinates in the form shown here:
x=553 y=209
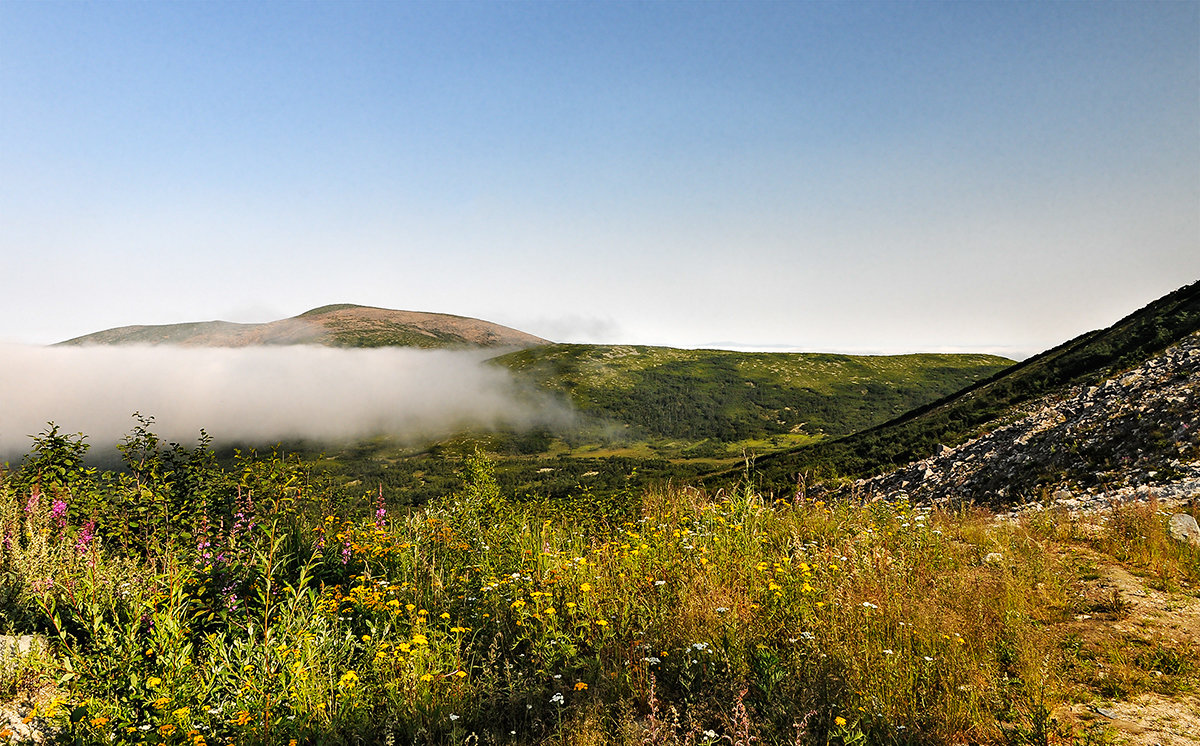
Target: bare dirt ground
x=1140 y=615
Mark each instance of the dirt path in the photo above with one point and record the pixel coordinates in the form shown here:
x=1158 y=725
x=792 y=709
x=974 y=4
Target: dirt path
x=1131 y=616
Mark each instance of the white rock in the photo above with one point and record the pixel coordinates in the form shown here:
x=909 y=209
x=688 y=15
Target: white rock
x=1183 y=528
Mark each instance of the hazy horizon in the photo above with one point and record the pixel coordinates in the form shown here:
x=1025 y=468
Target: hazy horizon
x=866 y=177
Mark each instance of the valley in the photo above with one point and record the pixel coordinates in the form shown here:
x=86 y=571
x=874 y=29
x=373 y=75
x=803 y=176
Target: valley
x=718 y=548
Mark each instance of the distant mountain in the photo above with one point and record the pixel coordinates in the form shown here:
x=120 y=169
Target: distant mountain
x=988 y=405
x=342 y=325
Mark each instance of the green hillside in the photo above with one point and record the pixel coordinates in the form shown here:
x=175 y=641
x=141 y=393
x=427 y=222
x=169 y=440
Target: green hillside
x=653 y=414
x=955 y=418
x=660 y=392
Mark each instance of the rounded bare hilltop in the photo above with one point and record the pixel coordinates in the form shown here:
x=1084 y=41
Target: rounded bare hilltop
x=339 y=325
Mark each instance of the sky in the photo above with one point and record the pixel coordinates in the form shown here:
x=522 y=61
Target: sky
x=838 y=176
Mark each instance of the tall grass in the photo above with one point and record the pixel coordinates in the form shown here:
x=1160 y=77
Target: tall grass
x=673 y=616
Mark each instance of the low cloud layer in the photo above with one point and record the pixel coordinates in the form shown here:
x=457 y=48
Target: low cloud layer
x=258 y=394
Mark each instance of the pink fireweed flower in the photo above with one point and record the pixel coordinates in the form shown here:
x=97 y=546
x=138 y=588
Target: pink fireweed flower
x=32 y=504
x=380 y=509
x=86 y=535
x=58 y=510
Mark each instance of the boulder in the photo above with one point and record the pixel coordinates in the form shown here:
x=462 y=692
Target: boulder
x=22 y=646
x=1183 y=528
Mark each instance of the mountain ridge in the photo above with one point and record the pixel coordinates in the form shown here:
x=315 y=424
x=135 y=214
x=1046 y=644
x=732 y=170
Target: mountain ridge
x=914 y=435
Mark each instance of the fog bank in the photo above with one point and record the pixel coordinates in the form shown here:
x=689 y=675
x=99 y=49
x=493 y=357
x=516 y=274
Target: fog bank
x=259 y=394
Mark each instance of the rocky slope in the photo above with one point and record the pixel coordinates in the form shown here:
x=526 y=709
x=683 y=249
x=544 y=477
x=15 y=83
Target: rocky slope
x=1135 y=433
x=1083 y=361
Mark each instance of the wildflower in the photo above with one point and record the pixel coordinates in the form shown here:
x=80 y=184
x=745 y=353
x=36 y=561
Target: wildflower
x=579 y=687
x=558 y=698
x=98 y=721
x=839 y=721
x=585 y=587
x=166 y=730
x=153 y=681
x=86 y=534
x=453 y=716
x=57 y=511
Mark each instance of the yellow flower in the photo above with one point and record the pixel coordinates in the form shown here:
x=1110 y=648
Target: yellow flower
x=839 y=721
x=585 y=587
x=99 y=721
x=166 y=730
x=580 y=686
x=153 y=681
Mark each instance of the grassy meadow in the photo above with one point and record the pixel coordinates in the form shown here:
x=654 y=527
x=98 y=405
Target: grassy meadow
x=185 y=602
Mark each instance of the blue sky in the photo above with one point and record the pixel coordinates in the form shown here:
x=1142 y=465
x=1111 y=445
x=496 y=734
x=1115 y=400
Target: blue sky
x=881 y=177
